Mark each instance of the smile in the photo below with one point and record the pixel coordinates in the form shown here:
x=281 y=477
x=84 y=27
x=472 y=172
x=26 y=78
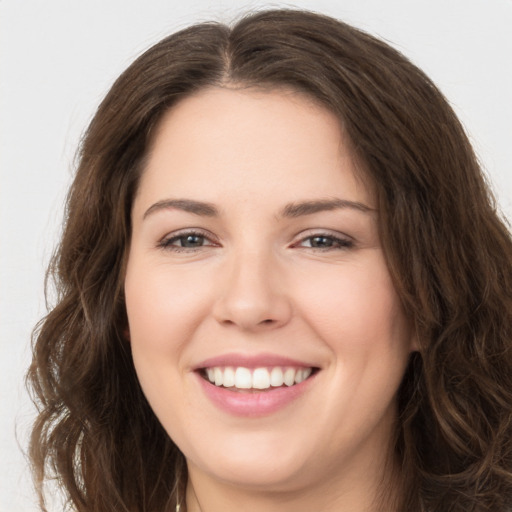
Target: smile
x=254 y=385
x=241 y=378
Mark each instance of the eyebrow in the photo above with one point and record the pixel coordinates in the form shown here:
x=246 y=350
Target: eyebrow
x=186 y=205
x=291 y=210
x=310 y=207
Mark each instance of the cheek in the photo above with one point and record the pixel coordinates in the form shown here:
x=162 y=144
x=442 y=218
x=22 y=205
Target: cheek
x=164 y=309
x=357 y=315
x=354 y=306
x=163 y=306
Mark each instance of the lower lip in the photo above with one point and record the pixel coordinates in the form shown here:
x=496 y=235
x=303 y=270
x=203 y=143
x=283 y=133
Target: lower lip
x=253 y=404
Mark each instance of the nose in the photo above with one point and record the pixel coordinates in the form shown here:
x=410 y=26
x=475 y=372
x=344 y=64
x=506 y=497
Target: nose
x=252 y=294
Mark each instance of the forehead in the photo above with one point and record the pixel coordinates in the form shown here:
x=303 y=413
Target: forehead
x=223 y=142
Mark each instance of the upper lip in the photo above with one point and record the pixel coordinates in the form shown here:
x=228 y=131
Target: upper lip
x=251 y=361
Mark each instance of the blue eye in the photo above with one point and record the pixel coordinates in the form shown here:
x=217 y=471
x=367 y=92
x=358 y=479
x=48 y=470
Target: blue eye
x=185 y=241
x=325 y=242
x=321 y=242
x=190 y=241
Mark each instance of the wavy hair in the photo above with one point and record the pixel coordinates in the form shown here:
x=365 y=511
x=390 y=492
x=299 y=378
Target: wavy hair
x=448 y=251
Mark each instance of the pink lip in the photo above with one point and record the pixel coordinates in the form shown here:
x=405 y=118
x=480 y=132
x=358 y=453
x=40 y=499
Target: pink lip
x=252 y=404
x=251 y=361
x=255 y=404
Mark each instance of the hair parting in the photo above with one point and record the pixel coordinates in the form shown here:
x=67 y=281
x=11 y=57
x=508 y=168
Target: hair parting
x=448 y=251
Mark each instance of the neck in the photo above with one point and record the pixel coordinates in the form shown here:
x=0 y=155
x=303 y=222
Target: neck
x=369 y=493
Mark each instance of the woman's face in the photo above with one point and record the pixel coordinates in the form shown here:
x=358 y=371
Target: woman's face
x=265 y=329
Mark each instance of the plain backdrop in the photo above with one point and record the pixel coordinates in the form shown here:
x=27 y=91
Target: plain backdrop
x=58 y=59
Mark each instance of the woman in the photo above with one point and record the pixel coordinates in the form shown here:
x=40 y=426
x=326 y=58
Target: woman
x=283 y=286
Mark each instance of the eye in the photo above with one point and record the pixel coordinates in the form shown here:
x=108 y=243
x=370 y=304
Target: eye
x=186 y=241
x=325 y=242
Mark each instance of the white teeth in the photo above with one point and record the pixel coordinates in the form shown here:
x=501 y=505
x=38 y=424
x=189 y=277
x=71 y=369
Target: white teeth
x=229 y=377
x=289 y=376
x=302 y=375
x=276 y=377
x=259 y=378
x=243 y=378
x=218 y=374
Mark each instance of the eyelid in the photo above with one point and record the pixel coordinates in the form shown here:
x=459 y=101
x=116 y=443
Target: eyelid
x=345 y=240
x=165 y=241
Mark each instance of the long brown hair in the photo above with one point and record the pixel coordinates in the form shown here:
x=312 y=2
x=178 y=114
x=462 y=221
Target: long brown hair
x=448 y=252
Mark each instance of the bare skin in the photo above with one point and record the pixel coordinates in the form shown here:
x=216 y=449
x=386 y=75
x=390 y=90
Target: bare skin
x=253 y=237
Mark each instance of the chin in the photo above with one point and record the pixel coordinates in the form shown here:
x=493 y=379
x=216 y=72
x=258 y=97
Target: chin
x=267 y=475
x=257 y=464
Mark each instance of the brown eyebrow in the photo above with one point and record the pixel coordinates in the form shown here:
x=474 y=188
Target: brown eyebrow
x=297 y=209
x=311 y=207
x=187 y=205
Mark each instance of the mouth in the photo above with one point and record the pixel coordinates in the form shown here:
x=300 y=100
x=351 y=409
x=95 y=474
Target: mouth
x=255 y=380
x=255 y=385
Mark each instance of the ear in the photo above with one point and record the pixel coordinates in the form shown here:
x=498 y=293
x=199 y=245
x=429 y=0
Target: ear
x=126 y=334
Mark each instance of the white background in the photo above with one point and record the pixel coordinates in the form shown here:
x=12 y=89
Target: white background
x=58 y=59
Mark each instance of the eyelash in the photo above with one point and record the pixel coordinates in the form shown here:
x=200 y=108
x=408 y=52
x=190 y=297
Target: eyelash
x=167 y=243
x=338 y=243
